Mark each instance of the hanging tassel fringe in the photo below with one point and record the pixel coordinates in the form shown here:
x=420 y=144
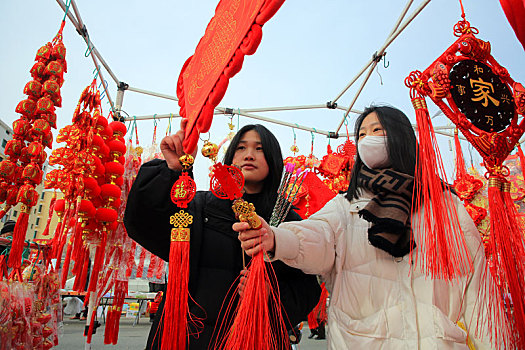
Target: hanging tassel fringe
x=19 y=236
x=445 y=255
x=252 y=327
x=507 y=260
x=175 y=314
x=97 y=264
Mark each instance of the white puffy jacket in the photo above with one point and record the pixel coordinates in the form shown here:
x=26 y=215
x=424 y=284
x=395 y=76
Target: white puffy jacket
x=376 y=302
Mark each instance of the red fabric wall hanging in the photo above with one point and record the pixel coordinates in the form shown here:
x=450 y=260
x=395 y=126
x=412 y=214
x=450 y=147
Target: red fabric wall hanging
x=234 y=31
x=515 y=12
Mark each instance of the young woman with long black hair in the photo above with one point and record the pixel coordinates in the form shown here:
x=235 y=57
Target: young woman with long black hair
x=215 y=251
x=360 y=243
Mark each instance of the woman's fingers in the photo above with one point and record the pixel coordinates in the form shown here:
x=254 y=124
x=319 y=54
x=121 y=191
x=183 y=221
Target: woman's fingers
x=241 y=226
x=253 y=251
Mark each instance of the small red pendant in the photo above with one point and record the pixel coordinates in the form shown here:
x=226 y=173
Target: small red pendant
x=183 y=191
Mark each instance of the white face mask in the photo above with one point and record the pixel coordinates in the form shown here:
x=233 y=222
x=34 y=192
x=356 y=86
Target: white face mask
x=374 y=152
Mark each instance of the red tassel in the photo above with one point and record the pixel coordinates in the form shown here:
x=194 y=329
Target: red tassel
x=522 y=159
x=131 y=258
x=67 y=260
x=252 y=327
x=461 y=169
x=142 y=259
x=50 y=215
x=507 y=260
x=83 y=276
x=108 y=330
x=160 y=268
x=4 y=211
x=312 y=320
x=319 y=311
x=323 y=316
x=19 y=236
x=121 y=288
x=175 y=314
x=97 y=264
x=445 y=252
x=152 y=264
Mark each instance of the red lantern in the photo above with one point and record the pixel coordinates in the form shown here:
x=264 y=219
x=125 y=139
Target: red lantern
x=119 y=129
x=32 y=173
x=7 y=169
x=26 y=107
x=44 y=53
x=37 y=71
x=13 y=148
x=33 y=89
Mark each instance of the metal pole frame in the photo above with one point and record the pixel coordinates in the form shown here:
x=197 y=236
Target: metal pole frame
x=247 y=112
x=398 y=28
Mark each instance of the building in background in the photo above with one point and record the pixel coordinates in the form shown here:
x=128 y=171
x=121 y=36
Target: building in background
x=6 y=134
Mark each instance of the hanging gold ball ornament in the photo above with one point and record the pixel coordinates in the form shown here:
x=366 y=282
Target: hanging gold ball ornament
x=210 y=150
x=294 y=149
x=186 y=161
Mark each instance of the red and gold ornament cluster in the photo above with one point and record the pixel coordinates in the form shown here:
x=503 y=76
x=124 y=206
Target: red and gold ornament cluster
x=30 y=309
x=21 y=172
x=90 y=178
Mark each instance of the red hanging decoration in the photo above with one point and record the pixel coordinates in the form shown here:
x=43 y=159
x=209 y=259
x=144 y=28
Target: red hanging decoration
x=234 y=31
x=466 y=185
x=480 y=97
x=252 y=327
x=22 y=171
x=515 y=12
x=175 y=315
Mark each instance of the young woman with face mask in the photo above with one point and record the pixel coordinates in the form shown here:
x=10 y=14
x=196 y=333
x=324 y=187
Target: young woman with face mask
x=216 y=258
x=360 y=244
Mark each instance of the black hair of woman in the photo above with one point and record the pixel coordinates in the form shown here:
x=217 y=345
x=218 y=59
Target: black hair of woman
x=272 y=154
x=401 y=143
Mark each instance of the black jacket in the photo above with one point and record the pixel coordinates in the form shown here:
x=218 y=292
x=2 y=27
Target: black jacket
x=215 y=251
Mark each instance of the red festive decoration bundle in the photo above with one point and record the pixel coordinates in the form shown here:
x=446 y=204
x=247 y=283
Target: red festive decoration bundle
x=30 y=307
x=90 y=178
x=21 y=172
x=484 y=102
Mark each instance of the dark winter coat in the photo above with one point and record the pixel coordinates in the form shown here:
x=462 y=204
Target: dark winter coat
x=215 y=251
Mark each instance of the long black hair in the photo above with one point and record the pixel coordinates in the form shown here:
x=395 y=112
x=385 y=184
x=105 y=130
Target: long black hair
x=401 y=144
x=272 y=154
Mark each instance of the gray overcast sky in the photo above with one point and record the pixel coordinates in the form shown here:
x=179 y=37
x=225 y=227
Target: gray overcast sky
x=309 y=52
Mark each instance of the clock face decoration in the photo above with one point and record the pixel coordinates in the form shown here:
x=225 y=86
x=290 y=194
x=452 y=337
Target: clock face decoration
x=481 y=95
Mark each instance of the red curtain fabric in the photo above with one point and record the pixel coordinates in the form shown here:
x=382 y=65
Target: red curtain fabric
x=515 y=12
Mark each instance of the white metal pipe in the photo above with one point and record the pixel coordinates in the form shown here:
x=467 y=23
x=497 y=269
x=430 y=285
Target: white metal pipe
x=385 y=45
x=283 y=108
x=79 y=27
x=370 y=70
x=76 y=23
x=392 y=37
x=221 y=110
x=353 y=80
x=103 y=81
x=77 y=13
x=118 y=102
x=280 y=122
x=401 y=16
x=152 y=93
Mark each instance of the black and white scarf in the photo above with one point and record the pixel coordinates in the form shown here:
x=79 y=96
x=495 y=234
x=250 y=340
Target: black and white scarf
x=389 y=210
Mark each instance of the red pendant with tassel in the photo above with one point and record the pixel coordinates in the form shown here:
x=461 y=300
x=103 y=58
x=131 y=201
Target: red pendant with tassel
x=175 y=315
x=258 y=321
